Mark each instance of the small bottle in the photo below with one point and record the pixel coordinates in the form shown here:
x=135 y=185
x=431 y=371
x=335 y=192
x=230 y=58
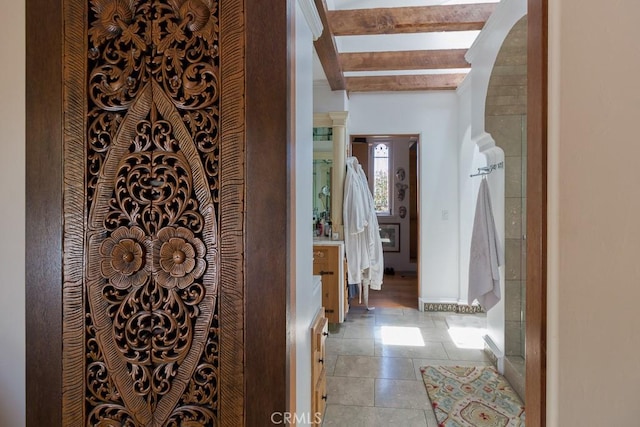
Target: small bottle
x=327 y=229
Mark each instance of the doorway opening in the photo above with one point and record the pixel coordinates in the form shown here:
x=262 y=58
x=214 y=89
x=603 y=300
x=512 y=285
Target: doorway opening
x=391 y=165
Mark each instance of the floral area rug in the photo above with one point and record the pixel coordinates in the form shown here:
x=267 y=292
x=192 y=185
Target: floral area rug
x=472 y=396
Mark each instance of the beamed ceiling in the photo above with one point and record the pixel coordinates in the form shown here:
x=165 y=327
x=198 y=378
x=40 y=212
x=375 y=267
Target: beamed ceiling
x=401 y=45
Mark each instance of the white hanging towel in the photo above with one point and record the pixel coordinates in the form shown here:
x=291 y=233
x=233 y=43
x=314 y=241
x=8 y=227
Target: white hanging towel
x=486 y=254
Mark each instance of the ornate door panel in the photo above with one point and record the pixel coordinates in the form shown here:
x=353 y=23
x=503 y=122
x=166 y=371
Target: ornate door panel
x=143 y=329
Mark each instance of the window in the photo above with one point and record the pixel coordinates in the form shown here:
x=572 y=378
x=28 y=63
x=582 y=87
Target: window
x=381 y=192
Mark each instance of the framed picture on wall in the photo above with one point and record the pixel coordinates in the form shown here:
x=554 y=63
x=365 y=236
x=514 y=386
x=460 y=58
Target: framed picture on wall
x=390 y=236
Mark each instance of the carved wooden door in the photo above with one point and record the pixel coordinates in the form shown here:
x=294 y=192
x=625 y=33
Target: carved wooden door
x=142 y=200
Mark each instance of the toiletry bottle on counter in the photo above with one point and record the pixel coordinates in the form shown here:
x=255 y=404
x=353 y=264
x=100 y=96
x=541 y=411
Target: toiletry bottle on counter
x=327 y=229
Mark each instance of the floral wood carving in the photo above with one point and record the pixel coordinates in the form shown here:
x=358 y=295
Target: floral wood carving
x=151 y=284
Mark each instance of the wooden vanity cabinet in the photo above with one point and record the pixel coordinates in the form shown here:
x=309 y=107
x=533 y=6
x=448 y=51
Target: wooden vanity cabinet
x=328 y=262
x=319 y=331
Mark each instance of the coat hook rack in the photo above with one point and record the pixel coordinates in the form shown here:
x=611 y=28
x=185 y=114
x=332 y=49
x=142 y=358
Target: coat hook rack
x=486 y=170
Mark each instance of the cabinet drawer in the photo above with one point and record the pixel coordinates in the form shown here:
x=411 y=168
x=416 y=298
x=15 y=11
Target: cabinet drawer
x=320 y=398
x=322 y=333
x=318 y=353
x=325 y=260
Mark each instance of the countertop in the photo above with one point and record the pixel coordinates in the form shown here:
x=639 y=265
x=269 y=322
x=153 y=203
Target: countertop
x=327 y=241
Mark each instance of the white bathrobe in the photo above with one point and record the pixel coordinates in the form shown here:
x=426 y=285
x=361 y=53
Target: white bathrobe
x=361 y=232
x=486 y=254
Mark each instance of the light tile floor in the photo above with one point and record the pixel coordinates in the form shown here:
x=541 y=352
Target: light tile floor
x=371 y=382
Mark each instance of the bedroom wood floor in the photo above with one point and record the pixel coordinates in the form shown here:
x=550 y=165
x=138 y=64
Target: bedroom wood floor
x=398 y=291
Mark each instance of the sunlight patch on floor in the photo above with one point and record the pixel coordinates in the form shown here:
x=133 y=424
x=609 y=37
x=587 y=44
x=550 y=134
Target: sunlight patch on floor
x=467 y=337
x=401 y=335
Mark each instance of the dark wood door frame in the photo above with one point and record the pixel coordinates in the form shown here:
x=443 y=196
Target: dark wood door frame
x=265 y=281
x=536 y=318
x=44 y=220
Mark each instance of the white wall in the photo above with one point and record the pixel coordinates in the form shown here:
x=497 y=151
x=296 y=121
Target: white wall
x=307 y=304
x=470 y=159
x=434 y=116
x=326 y=101
x=12 y=194
x=593 y=369
x=467 y=188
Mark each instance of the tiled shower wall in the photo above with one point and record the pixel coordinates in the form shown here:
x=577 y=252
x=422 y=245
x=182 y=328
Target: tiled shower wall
x=506 y=121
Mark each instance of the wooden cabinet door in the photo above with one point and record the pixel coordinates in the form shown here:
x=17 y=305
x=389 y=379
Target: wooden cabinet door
x=326 y=263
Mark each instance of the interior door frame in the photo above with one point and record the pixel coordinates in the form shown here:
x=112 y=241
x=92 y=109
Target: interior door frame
x=536 y=289
x=265 y=282
x=391 y=136
x=44 y=221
